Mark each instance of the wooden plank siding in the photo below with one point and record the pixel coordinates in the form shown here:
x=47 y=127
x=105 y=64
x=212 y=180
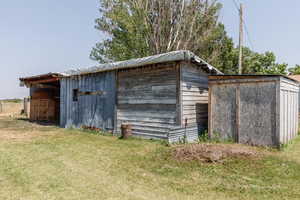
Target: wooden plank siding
x=193 y=104
x=194 y=89
x=94 y=109
x=147 y=99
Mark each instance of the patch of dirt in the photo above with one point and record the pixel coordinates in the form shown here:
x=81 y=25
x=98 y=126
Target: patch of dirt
x=213 y=152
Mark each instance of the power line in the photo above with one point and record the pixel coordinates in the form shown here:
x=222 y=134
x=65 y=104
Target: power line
x=236 y=5
x=248 y=36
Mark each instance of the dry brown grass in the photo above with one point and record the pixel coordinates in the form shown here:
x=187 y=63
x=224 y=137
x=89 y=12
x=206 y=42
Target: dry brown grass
x=214 y=152
x=11 y=109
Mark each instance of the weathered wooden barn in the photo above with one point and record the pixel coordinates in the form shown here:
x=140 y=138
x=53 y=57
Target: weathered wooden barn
x=163 y=96
x=254 y=109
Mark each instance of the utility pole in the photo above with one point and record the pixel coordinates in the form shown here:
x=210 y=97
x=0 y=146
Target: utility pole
x=241 y=40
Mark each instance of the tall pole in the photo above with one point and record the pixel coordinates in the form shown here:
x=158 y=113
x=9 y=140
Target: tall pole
x=241 y=40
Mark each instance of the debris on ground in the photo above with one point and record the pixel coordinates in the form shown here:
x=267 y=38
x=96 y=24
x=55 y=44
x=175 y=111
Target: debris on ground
x=213 y=152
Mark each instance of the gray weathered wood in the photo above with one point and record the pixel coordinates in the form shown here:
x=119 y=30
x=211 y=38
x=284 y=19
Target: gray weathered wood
x=263 y=109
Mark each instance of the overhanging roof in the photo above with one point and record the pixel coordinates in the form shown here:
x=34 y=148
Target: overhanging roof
x=40 y=79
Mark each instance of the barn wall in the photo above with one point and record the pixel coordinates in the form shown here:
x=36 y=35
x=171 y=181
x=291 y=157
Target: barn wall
x=289 y=110
x=194 y=91
x=261 y=111
x=193 y=104
x=148 y=100
x=92 y=110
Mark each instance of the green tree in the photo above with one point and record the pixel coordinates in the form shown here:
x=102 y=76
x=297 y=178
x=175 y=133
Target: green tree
x=256 y=63
x=138 y=28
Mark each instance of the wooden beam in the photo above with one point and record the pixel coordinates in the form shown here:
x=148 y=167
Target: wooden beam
x=49 y=80
x=43 y=86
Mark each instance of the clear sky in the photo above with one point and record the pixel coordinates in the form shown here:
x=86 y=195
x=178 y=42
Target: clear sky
x=41 y=36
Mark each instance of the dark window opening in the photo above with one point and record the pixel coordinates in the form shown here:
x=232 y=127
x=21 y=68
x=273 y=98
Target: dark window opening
x=75 y=94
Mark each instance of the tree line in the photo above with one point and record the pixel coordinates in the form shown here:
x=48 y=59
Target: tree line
x=139 y=28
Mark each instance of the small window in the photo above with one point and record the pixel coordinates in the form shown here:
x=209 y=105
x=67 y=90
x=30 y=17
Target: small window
x=75 y=94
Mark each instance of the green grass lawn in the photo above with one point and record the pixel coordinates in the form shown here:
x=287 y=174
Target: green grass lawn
x=39 y=162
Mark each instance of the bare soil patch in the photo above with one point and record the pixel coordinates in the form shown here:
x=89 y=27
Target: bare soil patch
x=213 y=153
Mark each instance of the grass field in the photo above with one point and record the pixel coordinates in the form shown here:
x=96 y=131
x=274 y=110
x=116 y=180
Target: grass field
x=46 y=162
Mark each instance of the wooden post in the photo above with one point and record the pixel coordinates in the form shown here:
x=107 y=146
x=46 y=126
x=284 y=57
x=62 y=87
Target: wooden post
x=115 y=128
x=178 y=67
x=210 y=126
x=241 y=40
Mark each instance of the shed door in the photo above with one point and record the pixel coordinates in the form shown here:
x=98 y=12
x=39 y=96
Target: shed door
x=257 y=114
x=96 y=100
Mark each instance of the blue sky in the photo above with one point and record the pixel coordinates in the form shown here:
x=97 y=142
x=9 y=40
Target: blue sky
x=41 y=36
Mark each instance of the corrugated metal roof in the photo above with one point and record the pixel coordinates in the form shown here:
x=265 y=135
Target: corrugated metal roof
x=41 y=76
x=173 y=56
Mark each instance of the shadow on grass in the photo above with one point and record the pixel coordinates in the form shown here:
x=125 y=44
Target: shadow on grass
x=42 y=123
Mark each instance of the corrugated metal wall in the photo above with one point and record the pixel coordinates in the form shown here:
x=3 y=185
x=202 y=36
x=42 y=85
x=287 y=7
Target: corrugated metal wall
x=289 y=102
x=257 y=111
x=93 y=110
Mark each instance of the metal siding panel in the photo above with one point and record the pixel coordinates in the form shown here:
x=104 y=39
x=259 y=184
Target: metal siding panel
x=290 y=107
x=91 y=110
x=62 y=102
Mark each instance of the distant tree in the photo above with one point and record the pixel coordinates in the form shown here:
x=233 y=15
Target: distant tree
x=138 y=28
x=256 y=63
x=294 y=70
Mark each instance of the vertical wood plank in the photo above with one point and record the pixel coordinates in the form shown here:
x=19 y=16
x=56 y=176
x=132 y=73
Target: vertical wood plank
x=178 y=94
x=210 y=122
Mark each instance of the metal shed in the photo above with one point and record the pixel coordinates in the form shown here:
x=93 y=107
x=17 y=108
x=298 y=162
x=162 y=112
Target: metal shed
x=254 y=109
x=163 y=96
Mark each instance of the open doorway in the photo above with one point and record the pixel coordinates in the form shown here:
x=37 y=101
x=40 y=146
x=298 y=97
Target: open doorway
x=44 y=97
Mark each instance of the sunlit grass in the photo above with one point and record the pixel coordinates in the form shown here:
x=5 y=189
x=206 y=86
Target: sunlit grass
x=74 y=164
